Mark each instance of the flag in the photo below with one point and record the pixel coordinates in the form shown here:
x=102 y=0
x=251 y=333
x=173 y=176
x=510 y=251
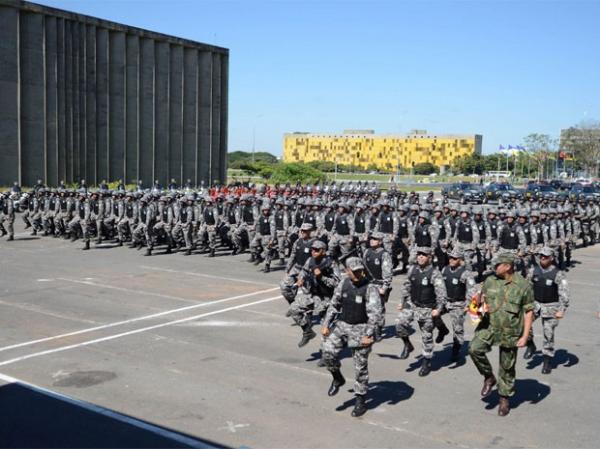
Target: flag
x=510 y=147
x=500 y=148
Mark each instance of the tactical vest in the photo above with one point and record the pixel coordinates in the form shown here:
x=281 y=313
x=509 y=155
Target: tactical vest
x=527 y=233
x=32 y=205
x=545 y=289
x=341 y=225
x=422 y=292
x=539 y=237
x=115 y=208
x=231 y=216
x=373 y=260
x=442 y=229
x=52 y=206
x=326 y=266
x=298 y=219
x=209 y=216
x=359 y=223
x=95 y=207
x=422 y=237
x=452 y=222
x=183 y=217
x=264 y=225
x=354 y=302
x=329 y=221
x=143 y=213
x=63 y=205
x=302 y=251
x=454 y=287
x=279 y=221
x=372 y=222
x=403 y=229
x=129 y=211
x=5 y=207
x=247 y=215
x=81 y=210
x=481 y=228
x=310 y=218
x=494 y=229
x=465 y=232
x=165 y=214
x=509 y=238
x=386 y=222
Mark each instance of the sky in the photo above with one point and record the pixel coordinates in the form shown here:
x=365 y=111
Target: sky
x=503 y=69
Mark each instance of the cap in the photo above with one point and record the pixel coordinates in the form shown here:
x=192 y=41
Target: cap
x=306 y=227
x=377 y=235
x=318 y=244
x=504 y=257
x=456 y=254
x=424 y=250
x=354 y=264
x=546 y=251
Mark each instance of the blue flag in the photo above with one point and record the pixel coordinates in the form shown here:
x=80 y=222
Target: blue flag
x=500 y=148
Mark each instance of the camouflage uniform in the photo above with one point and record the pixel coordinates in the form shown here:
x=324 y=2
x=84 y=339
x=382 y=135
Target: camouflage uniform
x=300 y=253
x=508 y=302
x=7 y=214
x=358 y=308
x=460 y=287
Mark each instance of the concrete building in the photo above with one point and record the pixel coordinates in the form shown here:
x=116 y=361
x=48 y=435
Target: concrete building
x=82 y=97
x=366 y=149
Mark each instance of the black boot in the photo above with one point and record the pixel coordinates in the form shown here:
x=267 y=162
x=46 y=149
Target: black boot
x=10 y=238
x=267 y=268
x=87 y=245
x=235 y=251
x=281 y=262
x=34 y=232
x=133 y=245
x=168 y=251
x=148 y=251
x=408 y=348
x=530 y=350
x=360 y=406
x=307 y=335
x=188 y=252
x=425 y=367
x=442 y=331
x=120 y=242
x=455 y=351
x=336 y=383
x=547 y=367
x=258 y=260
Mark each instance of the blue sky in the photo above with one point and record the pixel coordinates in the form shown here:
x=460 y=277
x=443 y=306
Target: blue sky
x=501 y=69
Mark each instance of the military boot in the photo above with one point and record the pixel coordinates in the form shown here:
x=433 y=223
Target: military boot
x=307 y=335
x=188 y=252
x=267 y=268
x=133 y=245
x=425 y=367
x=34 y=232
x=442 y=331
x=212 y=252
x=455 y=351
x=408 y=348
x=257 y=260
x=168 y=251
x=87 y=245
x=530 y=350
x=10 y=238
x=148 y=251
x=503 y=406
x=547 y=366
x=336 y=383
x=3 y=231
x=120 y=242
x=235 y=251
x=360 y=406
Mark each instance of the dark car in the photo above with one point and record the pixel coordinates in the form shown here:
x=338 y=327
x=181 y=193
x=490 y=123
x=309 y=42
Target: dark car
x=583 y=192
x=497 y=190
x=544 y=192
x=465 y=192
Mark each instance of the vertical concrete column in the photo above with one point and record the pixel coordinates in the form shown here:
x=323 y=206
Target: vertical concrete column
x=205 y=80
x=74 y=66
x=117 y=105
x=215 y=134
x=102 y=104
x=82 y=101
x=161 y=108
x=146 y=114
x=32 y=98
x=9 y=95
x=68 y=74
x=90 y=105
x=176 y=114
x=224 y=117
x=50 y=71
x=132 y=109
x=62 y=99
x=190 y=111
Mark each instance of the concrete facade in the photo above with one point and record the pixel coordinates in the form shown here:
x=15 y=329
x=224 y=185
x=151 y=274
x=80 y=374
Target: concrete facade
x=84 y=98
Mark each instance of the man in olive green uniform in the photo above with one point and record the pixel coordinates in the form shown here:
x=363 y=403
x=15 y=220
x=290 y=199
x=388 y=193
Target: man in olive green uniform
x=507 y=306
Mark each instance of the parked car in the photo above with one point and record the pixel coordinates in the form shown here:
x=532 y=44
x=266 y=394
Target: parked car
x=497 y=190
x=465 y=192
x=544 y=192
x=583 y=192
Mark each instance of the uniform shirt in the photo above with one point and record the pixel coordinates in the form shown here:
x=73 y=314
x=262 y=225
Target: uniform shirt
x=508 y=302
x=561 y=281
x=436 y=279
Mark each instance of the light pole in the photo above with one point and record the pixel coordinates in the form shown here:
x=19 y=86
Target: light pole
x=254 y=135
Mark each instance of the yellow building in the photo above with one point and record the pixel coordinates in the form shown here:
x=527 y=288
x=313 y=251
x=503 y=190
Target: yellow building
x=364 y=148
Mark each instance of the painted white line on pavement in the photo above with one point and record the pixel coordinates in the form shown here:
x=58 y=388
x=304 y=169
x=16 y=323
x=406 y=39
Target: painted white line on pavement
x=133 y=320
x=126 y=290
x=136 y=331
x=204 y=275
x=165 y=433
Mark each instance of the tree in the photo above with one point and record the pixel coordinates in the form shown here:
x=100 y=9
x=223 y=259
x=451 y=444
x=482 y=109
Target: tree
x=294 y=172
x=469 y=164
x=425 y=168
x=583 y=143
x=237 y=159
x=540 y=147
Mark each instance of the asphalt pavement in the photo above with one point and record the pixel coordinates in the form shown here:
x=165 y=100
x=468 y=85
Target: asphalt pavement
x=201 y=348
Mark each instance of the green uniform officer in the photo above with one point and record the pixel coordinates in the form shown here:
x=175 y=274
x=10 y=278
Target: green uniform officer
x=507 y=304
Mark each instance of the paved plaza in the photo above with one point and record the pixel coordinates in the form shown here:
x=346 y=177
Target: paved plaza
x=201 y=346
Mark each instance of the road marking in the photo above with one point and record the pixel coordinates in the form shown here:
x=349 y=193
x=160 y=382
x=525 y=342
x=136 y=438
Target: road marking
x=133 y=320
x=126 y=290
x=204 y=275
x=136 y=331
x=165 y=433
x=30 y=308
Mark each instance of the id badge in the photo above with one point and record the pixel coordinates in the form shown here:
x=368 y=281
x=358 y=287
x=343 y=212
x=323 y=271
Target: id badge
x=512 y=234
x=454 y=281
x=549 y=282
x=306 y=250
x=425 y=281
x=358 y=299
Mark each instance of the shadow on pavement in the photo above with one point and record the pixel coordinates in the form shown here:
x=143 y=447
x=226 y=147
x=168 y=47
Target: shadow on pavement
x=36 y=418
x=383 y=392
x=561 y=357
x=526 y=390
